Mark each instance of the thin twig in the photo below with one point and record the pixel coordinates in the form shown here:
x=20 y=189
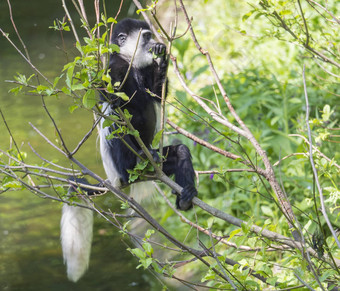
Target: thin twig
x=317 y=150
x=288 y=156
x=25 y=58
x=219 y=263
x=11 y=135
x=86 y=137
x=54 y=124
x=326 y=10
x=83 y=15
x=322 y=202
x=304 y=23
x=16 y=30
x=130 y=63
x=74 y=172
x=303 y=282
x=71 y=23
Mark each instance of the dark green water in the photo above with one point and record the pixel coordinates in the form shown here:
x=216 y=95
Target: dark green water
x=30 y=252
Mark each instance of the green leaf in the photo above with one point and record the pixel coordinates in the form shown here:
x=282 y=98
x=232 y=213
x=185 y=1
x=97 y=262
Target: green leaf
x=326 y=113
x=22 y=79
x=233 y=233
x=66 y=91
x=286 y=12
x=157 y=138
x=267 y=211
x=56 y=80
x=132 y=176
x=141 y=165
x=135 y=132
x=146 y=263
x=72 y=108
x=149 y=233
x=69 y=74
x=13 y=184
x=123 y=96
x=109 y=88
x=76 y=87
x=295 y=100
x=106 y=77
x=138 y=253
x=107 y=123
x=209 y=276
x=127 y=114
x=272 y=281
x=114 y=48
x=124 y=205
x=247 y=15
x=148 y=248
x=157 y=268
x=15 y=90
x=111 y=19
x=50 y=92
x=89 y=99
x=275 y=120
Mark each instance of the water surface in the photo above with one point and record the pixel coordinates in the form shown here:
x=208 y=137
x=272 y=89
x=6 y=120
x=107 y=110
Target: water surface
x=30 y=252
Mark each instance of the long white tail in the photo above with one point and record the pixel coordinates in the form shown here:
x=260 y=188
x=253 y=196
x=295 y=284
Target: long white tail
x=76 y=238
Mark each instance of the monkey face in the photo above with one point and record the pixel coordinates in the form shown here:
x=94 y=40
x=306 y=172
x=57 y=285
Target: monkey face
x=134 y=38
x=136 y=45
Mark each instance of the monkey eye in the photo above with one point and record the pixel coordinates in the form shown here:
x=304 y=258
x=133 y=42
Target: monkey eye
x=121 y=37
x=147 y=35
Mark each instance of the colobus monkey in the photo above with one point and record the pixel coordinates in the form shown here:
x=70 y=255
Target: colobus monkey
x=147 y=74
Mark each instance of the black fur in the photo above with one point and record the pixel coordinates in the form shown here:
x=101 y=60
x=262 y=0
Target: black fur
x=141 y=78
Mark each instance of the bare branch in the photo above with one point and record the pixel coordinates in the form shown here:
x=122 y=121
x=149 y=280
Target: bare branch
x=25 y=58
x=317 y=150
x=337 y=20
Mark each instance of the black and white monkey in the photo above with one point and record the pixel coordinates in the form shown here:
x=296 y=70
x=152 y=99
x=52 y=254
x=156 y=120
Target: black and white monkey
x=147 y=73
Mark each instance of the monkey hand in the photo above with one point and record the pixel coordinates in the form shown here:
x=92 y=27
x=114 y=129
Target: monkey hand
x=159 y=49
x=184 y=202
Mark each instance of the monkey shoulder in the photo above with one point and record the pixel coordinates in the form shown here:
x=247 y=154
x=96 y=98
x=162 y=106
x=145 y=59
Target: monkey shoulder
x=118 y=68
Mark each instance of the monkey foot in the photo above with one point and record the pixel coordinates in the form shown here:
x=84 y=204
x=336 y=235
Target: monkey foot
x=185 y=201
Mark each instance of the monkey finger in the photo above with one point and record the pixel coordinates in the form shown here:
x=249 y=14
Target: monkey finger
x=159 y=48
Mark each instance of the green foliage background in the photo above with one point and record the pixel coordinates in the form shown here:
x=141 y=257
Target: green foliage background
x=261 y=69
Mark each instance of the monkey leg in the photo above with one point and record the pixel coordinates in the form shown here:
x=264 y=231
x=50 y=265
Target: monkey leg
x=178 y=162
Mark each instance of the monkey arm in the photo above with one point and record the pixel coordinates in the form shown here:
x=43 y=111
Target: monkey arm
x=160 y=66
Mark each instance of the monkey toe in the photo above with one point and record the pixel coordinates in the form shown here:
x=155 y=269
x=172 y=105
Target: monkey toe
x=185 y=201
